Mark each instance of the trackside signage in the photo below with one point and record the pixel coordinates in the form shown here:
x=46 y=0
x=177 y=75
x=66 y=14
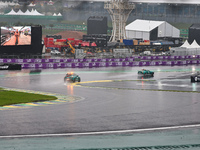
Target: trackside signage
x=105 y=62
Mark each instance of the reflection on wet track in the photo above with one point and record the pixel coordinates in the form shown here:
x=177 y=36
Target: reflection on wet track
x=114 y=99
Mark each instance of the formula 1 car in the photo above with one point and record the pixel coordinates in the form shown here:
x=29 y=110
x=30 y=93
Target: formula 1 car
x=195 y=77
x=10 y=67
x=72 y=77
x=146 y=72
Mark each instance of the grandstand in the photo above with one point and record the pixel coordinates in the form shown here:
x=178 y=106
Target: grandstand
x=176 y=13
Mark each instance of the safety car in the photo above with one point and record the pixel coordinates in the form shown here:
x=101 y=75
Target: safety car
x=72 y=77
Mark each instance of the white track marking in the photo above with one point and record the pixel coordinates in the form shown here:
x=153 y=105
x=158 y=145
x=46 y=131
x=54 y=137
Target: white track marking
x=101 y=133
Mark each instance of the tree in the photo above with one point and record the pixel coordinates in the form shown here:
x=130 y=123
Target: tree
x=51 y=25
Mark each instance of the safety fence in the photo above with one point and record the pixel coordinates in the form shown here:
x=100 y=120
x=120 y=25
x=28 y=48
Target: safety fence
x=105 y=62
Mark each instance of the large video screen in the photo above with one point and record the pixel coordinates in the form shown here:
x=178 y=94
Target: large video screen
x=16 y=35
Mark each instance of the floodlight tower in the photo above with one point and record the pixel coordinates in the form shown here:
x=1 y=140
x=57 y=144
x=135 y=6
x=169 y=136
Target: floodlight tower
x=119 y=11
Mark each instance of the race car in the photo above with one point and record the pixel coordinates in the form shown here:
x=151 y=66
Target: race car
x=72 y=77
x=195 y=77
x=146 y=72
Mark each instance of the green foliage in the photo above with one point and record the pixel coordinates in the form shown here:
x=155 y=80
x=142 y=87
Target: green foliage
x=51 y=25
x=4 y=24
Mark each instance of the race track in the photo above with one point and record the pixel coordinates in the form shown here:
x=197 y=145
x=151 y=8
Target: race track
x=106 y=99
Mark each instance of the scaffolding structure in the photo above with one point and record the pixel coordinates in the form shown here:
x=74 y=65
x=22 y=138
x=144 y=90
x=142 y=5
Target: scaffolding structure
x=119 y=11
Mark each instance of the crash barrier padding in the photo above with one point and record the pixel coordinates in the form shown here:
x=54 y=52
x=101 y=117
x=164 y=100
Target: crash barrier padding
x=109 y=64
x=141 y=58
x=105 y=62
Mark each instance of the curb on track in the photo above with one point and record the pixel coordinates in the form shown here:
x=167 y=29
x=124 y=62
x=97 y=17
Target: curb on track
x=60 y=99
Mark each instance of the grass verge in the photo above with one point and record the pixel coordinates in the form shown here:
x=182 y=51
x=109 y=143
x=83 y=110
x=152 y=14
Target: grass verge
x=13 y=97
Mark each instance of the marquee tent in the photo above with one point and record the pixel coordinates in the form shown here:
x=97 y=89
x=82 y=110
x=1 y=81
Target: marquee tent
x=31 y=5
x=150 y=30
x=12 y=12
x=27 y=13
x=59 y=14
x=186 y=49
x=196 y=48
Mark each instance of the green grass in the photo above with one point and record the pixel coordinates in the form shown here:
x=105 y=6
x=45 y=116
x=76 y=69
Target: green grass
x=13 y=97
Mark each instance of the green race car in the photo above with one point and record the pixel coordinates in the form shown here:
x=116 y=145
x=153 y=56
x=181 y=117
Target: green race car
x=72 y=77
x=146 y=72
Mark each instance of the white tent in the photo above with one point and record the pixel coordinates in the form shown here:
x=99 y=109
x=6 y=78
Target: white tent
x=186 y=49
x=31 y=5
x=59 y=14
x=150 y=30
x=3 y=5
x=186 y=44
x=27 y=13
x=32 y=10
x=195 y=48
x=36 y=13
x=20 y=12
x=195 y=44
x=180 y=51
x=12 y=12
x=11 y=3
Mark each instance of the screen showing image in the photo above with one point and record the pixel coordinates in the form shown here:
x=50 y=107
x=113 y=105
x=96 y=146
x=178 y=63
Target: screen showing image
x=16 y=35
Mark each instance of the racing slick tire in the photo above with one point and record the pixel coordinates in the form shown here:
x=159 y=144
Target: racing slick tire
x=193 y=79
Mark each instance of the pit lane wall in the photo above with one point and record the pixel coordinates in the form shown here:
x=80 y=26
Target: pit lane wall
x=105 y=62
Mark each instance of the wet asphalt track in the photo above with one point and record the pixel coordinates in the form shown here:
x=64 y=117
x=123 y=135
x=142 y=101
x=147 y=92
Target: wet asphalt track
x=116 y=99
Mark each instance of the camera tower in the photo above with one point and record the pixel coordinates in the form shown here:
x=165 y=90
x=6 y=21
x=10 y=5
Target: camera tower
x=119 y=11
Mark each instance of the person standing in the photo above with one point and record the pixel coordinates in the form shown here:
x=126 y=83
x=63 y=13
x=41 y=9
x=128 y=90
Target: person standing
x=16 y=37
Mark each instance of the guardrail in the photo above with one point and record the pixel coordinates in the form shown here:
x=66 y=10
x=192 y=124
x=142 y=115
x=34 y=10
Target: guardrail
x=105 y=62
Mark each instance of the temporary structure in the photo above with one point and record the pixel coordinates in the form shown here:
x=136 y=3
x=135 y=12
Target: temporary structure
x=150 y=30
x=12 y=12
x=27 y=13
x=195 y=48
x=186 y=49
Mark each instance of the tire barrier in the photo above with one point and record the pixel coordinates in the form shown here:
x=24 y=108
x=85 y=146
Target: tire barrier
x=105 y=62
